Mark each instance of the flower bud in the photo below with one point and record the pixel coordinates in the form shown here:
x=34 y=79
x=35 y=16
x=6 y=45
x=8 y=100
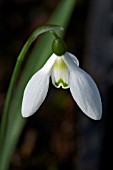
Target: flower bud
x=59 y=47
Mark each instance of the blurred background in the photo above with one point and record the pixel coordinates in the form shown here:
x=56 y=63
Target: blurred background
x=59 y=136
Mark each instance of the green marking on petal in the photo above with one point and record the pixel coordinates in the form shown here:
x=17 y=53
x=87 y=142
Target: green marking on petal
x=60 y=64
x=60 y=81
x=60 y=74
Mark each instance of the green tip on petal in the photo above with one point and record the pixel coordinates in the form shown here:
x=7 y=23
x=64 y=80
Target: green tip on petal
x=62 y=83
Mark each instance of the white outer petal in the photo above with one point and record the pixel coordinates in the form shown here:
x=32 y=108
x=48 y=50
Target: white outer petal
x=84 y=90
x=36 y=89
x=74 y=58
x=48 y=65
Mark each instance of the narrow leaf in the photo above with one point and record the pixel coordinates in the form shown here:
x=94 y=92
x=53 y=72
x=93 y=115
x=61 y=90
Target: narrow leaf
x=40 y=54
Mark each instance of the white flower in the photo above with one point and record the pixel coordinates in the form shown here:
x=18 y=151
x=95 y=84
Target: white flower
x=66 y=73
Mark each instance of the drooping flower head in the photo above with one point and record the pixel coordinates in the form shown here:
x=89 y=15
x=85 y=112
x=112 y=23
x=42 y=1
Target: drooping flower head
x=63 y=69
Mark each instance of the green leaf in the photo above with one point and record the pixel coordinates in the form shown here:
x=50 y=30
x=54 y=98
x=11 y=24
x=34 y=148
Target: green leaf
x=39 y=55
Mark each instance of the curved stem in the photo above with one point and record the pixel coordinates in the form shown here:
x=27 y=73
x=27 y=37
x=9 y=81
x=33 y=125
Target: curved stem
x=16 y=72
x=54 y=34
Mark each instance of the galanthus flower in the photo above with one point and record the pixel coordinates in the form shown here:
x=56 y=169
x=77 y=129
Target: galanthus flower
x=63 y=68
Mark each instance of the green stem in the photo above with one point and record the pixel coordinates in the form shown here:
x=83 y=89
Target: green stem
x=16 y=72
x=11 y=87
x=54 y=34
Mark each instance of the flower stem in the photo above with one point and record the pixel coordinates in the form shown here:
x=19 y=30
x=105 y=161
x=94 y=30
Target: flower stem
x=34 y=35
x=54 y=34
x=11 y=88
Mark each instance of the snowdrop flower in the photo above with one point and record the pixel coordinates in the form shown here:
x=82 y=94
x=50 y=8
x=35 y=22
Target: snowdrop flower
x=63 y=68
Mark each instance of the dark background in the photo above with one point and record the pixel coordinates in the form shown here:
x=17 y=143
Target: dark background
x=59 y=136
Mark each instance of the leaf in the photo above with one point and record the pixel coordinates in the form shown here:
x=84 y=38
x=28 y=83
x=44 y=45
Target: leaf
x=40 y=54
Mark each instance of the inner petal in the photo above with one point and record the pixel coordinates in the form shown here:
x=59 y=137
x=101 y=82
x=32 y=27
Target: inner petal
x=60 y=74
